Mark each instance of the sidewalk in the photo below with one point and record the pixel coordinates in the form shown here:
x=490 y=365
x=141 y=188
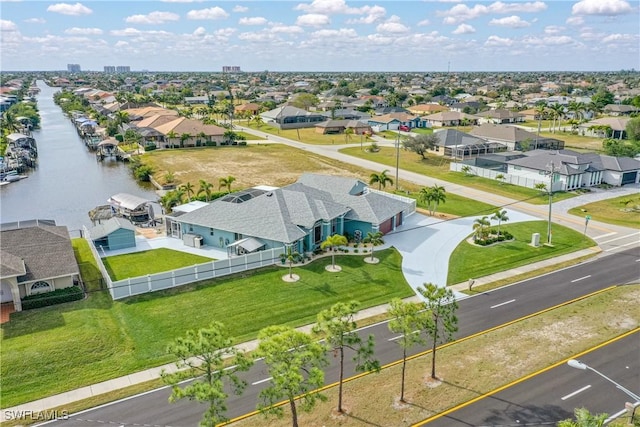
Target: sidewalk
x=66 y=398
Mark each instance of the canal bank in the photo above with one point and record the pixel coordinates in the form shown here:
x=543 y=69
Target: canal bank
x=68 y=181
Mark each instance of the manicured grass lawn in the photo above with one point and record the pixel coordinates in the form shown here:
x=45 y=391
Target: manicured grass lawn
x=438 y=167
x=309 y=135
x=54 y=349
x=468 y=260
x=456 y=205
x=250 y=136
x=154 y=261
x=613 y=211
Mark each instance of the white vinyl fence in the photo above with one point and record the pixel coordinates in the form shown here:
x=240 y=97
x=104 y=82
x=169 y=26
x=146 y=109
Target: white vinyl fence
x=491 y=174
x=183 y=276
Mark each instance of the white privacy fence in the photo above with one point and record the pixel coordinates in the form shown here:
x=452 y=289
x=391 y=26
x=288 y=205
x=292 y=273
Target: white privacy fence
x=491 y=174
x=183 y=276
x=412 y=202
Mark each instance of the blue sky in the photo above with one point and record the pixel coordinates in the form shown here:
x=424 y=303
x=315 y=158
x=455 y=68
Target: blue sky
x=322 y=35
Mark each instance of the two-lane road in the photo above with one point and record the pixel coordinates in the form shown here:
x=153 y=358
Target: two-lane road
x=475 y=315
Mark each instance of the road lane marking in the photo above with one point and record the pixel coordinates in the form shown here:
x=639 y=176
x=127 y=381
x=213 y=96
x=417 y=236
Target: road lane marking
x=502 y=303
x=262 y=381
x=605 y=235
x=620 y=238
x=582 y=278
x=621 y=246
x=570 y=395
x=402 y=335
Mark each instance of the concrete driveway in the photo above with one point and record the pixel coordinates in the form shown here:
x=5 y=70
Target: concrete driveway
x=426 y=245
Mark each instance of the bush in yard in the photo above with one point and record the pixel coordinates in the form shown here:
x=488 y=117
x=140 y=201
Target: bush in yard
x=58 y=296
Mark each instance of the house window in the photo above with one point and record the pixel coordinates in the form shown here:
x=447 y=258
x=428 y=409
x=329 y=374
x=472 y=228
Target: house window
x=40 y=287
x=317 y=233
x=211 y=231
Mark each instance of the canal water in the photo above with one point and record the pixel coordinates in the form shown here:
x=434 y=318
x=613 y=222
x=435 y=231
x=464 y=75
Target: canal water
x=68 y=181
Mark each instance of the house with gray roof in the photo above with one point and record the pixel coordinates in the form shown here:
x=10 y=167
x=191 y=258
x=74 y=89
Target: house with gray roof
x=299 y=216
x=515 y=138
x=114 y=233
x=34 y=259
x=290 y=117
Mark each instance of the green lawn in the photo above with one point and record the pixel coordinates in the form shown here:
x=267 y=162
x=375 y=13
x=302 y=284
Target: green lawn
x=438 y=167
x=54 y=349
x=468 y=260
x=309 y=135
x=623 y=210
x=153 y=261
x=456 y=205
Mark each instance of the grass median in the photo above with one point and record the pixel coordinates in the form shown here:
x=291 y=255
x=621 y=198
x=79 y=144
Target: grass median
x=475 y=366
x=623 y=211
x=59 y=348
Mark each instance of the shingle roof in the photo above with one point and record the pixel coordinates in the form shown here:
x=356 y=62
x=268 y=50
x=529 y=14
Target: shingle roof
x=46 y=251
x=335 y=184
x=502 y=132
x=11 y=265
x=109 y=226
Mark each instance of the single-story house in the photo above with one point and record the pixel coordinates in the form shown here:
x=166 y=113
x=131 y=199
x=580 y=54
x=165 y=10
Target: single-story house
x=499 y=116
x=393 y=121
x=250 y=109
x=573 y=170
x=289 y=117
x=449 y=118
x=114 y=233
x=461 y=145
x=515 y=138
x=339 y=126
x=426 y=109
x=183 y=132
x=620 y=109
x=35 y=259
x=299 y=216
x=599 y=127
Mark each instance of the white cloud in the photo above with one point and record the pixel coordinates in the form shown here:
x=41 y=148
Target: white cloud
x=313 y=20
x=510 y=22
x=256 y=20
x=393 y=25
x=553 y=29
x=199 y=32
x=575 y=20
x=611 y=38
x=342 y=33
x=601 y=7
x=70 y=9
x=7 y=25
x=211 y=13
x=121 y=43
x=256 y=37
x=372 y=14
x=129 y=32
x=182 y=1
x=464 y=29
x=240 y=9
x=324 y=6
x=548 y=41
x=424 y=22
x=35 y=21
x=461 y=12
x=83 y=31
x=285 y=29
x=152 y=18
x=498 y=41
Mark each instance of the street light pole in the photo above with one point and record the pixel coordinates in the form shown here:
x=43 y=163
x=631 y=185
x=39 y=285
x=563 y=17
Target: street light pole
x=551 y=173
x=397 y=158
x=579 y=365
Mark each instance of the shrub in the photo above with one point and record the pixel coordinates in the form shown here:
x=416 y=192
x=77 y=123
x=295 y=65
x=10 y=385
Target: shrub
x=355 y=251
x=150 y=147
x=58 y=296
x=210 y=143
x=242 y=142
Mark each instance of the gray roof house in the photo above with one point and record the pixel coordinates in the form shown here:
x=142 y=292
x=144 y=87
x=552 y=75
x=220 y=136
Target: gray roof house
x=515 y=138
x=114 y=233
x=461 y=145
x=289 y=117
x=34 y=259
x=300 y=215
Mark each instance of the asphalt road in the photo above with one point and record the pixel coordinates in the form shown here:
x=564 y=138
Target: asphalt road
x=475 y=315
x=553 y=395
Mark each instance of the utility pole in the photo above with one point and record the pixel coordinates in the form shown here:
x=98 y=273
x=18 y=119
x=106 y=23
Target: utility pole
x=397 y=158
x=551 y=173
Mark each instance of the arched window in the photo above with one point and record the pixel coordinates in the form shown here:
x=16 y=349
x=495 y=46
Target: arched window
x=40 y=287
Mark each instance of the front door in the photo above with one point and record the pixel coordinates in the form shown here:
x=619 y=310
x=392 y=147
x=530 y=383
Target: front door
x=5 y=293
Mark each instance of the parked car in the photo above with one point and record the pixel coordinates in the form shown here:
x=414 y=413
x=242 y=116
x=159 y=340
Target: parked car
x=404 y=128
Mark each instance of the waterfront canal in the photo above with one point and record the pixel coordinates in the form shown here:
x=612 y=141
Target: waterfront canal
x=68 y=181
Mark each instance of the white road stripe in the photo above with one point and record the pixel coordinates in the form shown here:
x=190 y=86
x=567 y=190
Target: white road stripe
x=570 y=395
x=605 y=235
x=621 y=246
x=619 y=238
x=262 y=381
x=395 y=338
x=582 y=278
x=502 y=303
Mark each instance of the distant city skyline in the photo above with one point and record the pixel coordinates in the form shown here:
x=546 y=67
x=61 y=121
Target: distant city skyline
x=321 y=35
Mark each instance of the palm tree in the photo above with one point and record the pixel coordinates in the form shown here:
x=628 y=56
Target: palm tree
x=171 y=135
x=292 y=257
x=540 y=111
x=348 y=133
x=541 y=186
x=257 y=119
x=557 y=111
x=432 y=197
x=501 y=178
x=205 y=187
x=226 y=182
x=382 y=179
x=188 y=190
x=185 y=136
x=374 y=239
x=500 y=216
x=331 y=242
x=466 y=169
x=480 y=227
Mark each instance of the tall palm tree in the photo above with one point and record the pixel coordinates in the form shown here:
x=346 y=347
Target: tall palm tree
x=540 y=110
x=557 y=111
x=480 y=227
x=382 y=179
x=432 y=197
x=374 y=239
x=257 y=119
x=500 y=216
x=348 y=133
x=185 y=136
x=188 y=190
x=171 y=135
x=205 y=188
x=331 y=242
x=226 y=182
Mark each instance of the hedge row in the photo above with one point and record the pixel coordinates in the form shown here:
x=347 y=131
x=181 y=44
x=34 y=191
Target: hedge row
x=504 y=235
x=58 y=296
